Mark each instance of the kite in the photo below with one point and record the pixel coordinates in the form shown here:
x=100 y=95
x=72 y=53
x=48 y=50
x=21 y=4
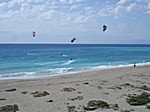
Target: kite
x=73 y=40
x=34 y=33
x=104 y=28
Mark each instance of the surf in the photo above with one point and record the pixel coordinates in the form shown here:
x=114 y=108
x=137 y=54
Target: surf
x=68 y=62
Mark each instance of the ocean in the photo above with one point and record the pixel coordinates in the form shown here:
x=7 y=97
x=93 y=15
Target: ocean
x=40 y=60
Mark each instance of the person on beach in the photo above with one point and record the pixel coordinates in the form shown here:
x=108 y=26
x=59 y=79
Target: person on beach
x=134 y=64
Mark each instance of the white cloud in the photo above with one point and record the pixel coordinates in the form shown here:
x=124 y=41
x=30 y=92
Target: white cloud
x=8 y=14
x=107 y=2
x=148 y=5
x=12 y=3
x=69 y=1
x=89 y=10
x=148 y=8
x=131 y=7
x=121 y=2
x=81 y=19
x=107 y=11
x=148 y=12
x=48 y=15
x=73 y=7
x=25 y=7
x=54 y=2
x=2 y=5
x=119 y=9
x=44 y=10
x=64 y=12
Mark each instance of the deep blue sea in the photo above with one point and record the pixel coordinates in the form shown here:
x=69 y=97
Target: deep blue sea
x=38 y=60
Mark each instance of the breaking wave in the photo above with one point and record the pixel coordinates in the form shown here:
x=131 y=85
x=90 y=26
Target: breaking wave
x=68 y=62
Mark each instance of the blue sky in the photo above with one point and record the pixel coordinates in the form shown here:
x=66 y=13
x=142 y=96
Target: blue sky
x=58 y=21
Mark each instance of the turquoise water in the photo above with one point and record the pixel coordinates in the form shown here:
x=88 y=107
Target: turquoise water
x=37 y=60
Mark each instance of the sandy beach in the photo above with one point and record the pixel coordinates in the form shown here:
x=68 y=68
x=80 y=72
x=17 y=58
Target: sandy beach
x=73 y=92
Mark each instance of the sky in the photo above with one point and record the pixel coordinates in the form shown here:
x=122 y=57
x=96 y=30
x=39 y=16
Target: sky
x=58 y=21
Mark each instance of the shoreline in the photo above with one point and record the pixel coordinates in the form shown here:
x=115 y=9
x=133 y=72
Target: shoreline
x=100 y=68
x=72 y=92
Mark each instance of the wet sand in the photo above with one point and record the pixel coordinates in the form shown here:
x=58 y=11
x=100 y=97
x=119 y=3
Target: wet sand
x=72 y=92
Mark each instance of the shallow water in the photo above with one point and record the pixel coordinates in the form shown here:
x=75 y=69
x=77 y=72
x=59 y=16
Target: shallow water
x=36 y=60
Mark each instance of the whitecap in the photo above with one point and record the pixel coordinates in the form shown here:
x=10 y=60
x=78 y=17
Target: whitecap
x=17 y=75
x=32 y=54
x=64 y=55
x=119 y=66
x=47 y=63
x=59 y=70
x=68 y=62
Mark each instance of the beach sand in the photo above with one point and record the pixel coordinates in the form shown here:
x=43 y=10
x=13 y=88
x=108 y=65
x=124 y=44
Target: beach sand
x=72 y=92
